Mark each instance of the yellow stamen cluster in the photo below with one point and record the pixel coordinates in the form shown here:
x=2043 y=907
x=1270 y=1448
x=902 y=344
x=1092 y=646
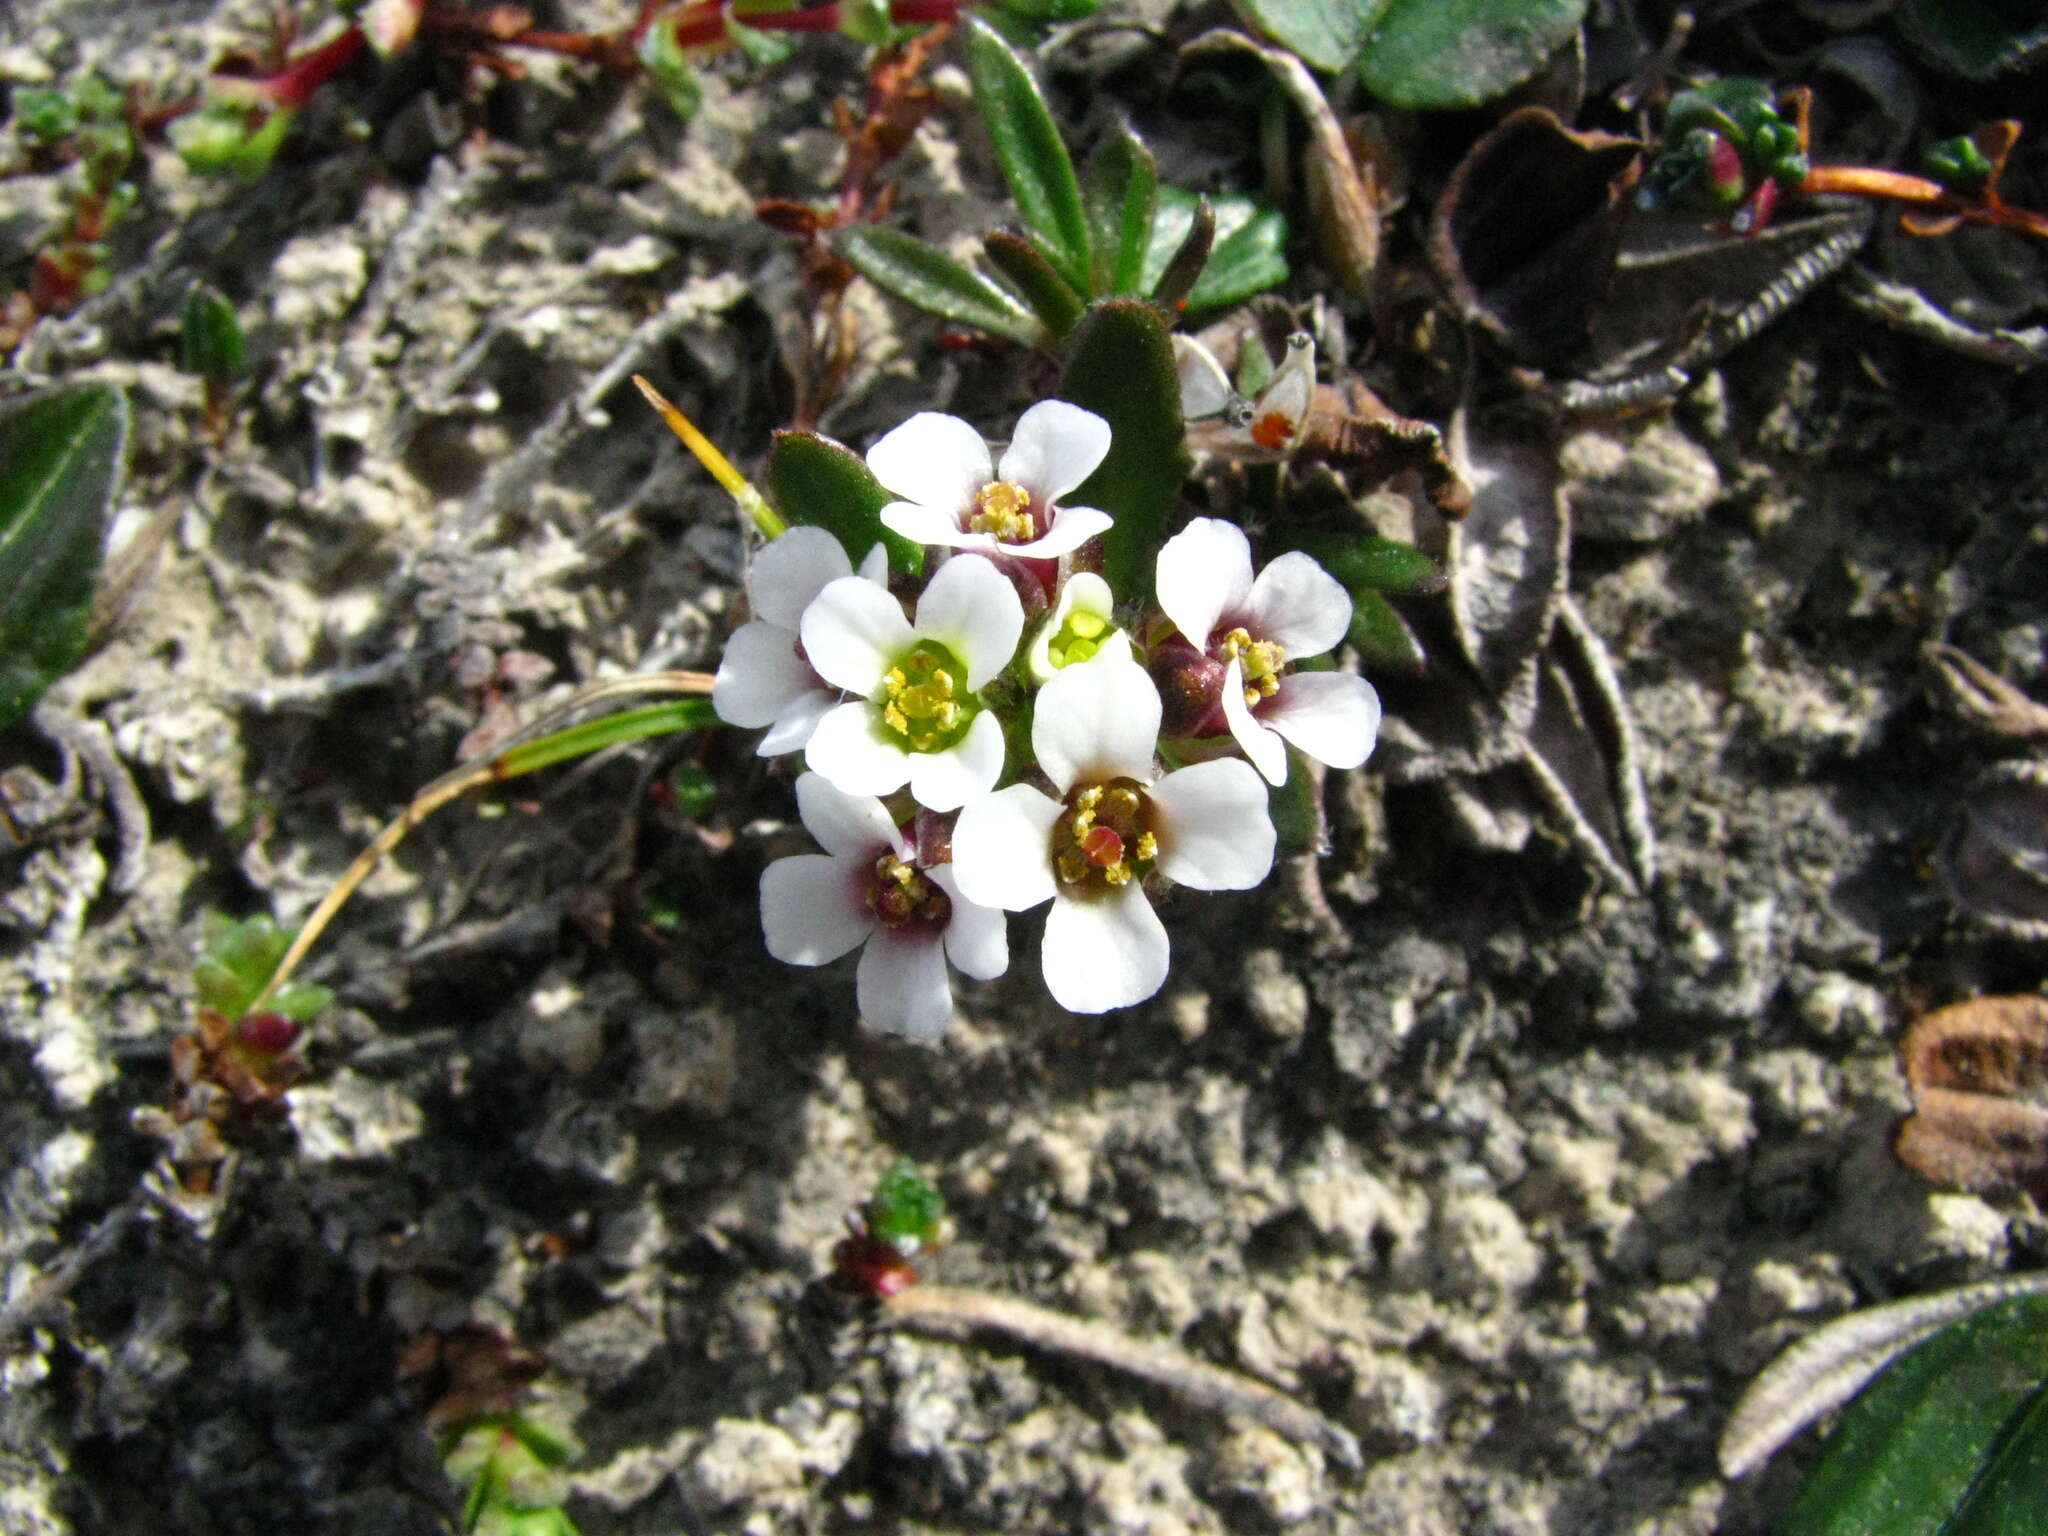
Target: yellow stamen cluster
x=1079 y=637
x=1262 y=660
x=918 y=700
x=900 y=894
x=1003 y=508
x=1101 y=841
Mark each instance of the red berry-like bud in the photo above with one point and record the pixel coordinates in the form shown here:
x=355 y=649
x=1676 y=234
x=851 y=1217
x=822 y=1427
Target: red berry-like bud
x=1190 y=690
x=269 y=1034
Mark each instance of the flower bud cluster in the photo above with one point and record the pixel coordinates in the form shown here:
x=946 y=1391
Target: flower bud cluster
x=958 y=768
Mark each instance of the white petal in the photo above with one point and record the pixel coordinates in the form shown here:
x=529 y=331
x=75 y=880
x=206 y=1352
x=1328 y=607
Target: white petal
x=1002 y=848
x=1299 y=604
x=1332 y=716
x=902 y=985
x=1214 y=832
x=964 y=772
x=1281 y=411
x=1204 y=386
x=813 y=908
x=978 y=937
x=1097 y=721
x=1104 y=953
x=931 y=525
x=934 y=460
x=1266 y=750
x=1071 y=528
x=792 y=727
x=874 y=565
x=1056 y=447
x=1084 y=591
x=853 y=632
x=1205 y=572
x=791 y=570
x=850 y=748
x=759 y=675
x=849 y=826
x=971 y=609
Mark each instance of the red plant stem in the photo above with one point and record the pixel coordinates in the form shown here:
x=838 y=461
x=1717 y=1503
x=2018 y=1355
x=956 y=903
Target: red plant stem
x=816 y=18
x=918 y=13
x=1863 y=181
x=612 y=50
x=294 y=86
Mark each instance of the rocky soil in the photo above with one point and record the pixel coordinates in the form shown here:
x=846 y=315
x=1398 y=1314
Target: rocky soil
x=1519 y=1177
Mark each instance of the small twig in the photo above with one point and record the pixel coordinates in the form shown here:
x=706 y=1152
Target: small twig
x=951 y=1312
x=88 y=741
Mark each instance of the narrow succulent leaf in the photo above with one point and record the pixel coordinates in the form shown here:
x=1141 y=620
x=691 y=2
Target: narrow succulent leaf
x=1249 y=260
x=595 y=735
x=1123 y=198
x=1831 y=1365
x=210 y=338
x=1296 y=807
x=1029 y=149
x=922 y=275
x=1381 y=565
x=1437 y=54
x=1324 y=33
x=1385 y=644
x=815 y=480
x=1942 y=1440
x=1051 y=297
x=61 y=456
x=1120 y=366
x=1180 y=249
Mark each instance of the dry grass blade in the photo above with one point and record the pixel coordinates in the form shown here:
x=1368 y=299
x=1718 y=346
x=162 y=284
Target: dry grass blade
x=952 y=1312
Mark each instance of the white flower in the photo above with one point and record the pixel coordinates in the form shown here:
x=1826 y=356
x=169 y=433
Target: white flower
x=1094 y=732
x=1294 y=609
x=762 y=678
x=916 y=720
x=1081 y=624
x=866 y=887
x=952 y=496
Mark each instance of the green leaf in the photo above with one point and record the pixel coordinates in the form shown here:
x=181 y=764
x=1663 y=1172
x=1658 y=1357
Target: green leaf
x=1296 y=809
x=1030 y=151
x=1324 y=33
x=1382 y=638
x=236 y=962
x=1120 y=366
x=1976 y=38
x=1380 y=565
x=595 y=735
x=922 y=275
x=815 y=480
x=1051 y=297
x=1246 y=255
x=61 y=455
x=1944 y=1440
x=1123 y=197
x=210 y=338
x=1427 y=54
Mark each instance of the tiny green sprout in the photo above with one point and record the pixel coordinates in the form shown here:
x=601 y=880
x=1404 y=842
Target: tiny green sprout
x=45 y=113
x=906 y=1210
x=1723 y=143
x=1957 y=163
x=693 y=789
x=512 y=1463
x=238 y=961
x=211 y=345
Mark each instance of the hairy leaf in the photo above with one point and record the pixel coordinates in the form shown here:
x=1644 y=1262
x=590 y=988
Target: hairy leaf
x=1123 y=197
x=815 y=480
x=922 y=275
x=1120 y=366
x=1029 y=149
x=1426 y=54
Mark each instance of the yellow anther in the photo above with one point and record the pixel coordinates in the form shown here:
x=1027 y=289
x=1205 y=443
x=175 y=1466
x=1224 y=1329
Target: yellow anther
x=1003 y=508
x=894 y=718
x=1089 y=798
x=1148 y=847
x=1118 y=873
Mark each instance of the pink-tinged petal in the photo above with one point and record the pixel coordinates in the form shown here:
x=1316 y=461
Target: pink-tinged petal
x=1213 y=828
x=1071 y=528
x=1331 y=716
x=791 y=570
x=853 y=632
x=1281 y=411
x=1108 y=952
x=902 y=985
x=935 y=460
x=759 y=675
x=964 y=772
x=1056 y=447
x=1267 y=752
x=851 y=748
x=1002 y=849
x=847 y=826
x=971 y=609
x=874 y=565
x=1204 y=574
x=1300 y=605
x=930 y=525
x=978 y=937
x=791 y=730
x=1097 y=721
x=812 y=908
